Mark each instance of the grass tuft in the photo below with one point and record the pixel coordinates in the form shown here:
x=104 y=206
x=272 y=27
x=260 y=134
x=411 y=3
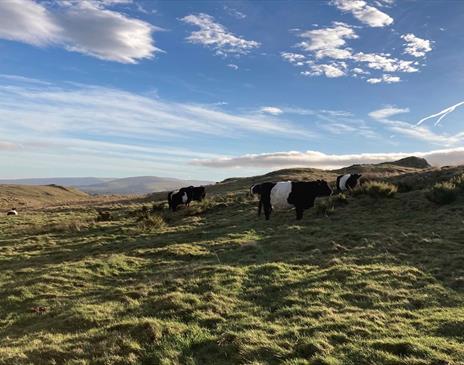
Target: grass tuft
x=376 y=189
x=442 y=193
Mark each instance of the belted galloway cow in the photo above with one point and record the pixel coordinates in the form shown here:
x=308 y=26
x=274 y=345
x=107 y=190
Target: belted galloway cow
x=289 y=194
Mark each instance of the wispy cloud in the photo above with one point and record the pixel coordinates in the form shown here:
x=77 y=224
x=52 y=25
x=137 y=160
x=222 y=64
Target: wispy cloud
x=414 y=131
x=123 y=131
x=4 y=145
x=271 y=110
x=216 y=36
x=441 y=114
x=365 y=13
x=318 y=159
x=85 y=26
x=234 y=12
x=106 y=111
x=387 y=112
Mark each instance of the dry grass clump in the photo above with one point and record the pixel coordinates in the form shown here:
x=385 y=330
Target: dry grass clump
x=326 y=207
x=376 y=189
x=442 y=193
x=446 y=192
x=67 y=226
x=151 y=223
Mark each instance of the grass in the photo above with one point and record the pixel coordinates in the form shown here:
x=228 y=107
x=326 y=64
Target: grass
x=371 y=283
x=377 y=189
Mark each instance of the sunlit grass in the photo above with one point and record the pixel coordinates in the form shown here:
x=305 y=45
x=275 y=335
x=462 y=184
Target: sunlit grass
x=373 y=282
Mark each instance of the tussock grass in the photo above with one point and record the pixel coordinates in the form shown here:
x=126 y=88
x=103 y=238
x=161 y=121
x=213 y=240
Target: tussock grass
x=376 y=189
x=214 y=284
x=151 y=223
x=442 y=193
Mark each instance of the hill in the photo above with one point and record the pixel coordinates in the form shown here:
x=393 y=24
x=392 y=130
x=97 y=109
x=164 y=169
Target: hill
x=121 y=186
x=63 y=181
x=373 y=281
x=412 y=161
x=21 y=196
x=139 y=185
x=370 y=171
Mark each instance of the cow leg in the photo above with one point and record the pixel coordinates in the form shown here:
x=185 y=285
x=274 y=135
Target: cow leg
x=299 y=213
x=260 y=206
x=267 y=210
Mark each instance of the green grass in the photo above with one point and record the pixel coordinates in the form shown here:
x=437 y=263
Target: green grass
x=374 y=282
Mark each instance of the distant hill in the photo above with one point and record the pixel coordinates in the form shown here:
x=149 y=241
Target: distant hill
x=63 y=181
x=139 y=185
x=412 y=161
x=122 y=186
x=33 y=196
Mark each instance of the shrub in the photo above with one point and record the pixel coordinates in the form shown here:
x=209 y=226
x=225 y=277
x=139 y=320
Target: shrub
x=376 y=189
x=443 y=193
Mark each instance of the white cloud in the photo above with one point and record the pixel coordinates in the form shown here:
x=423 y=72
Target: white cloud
x=374 y=80
x=27 y=21
x=232 y=66
x=388 y=79
x=441 y=114
x=330 y=45
x=332 y=70
x=271 y=110
x=387 y=112
x=326 y=42
x=81 y=26
x=360 y=71
x=416 y=46
x=318 y=159
x=365 y=13
x=296 y=59
x=384 y=62
x=216 y=36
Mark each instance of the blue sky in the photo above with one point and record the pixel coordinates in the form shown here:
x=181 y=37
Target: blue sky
x=211 y=89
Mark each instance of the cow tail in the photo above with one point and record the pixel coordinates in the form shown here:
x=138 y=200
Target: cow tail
x=170 y=200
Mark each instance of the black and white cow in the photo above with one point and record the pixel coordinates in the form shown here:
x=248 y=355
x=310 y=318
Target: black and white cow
x=12 y=212
x=347 y=182
x=289 y=194
x=185 y=196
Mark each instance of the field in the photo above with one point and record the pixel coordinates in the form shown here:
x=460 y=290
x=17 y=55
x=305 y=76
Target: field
x=373 y=281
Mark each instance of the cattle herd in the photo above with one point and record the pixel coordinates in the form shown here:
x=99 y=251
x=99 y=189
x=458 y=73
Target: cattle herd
x=281 y=195
x=272 y=195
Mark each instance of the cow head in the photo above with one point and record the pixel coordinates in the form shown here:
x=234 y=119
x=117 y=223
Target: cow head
x=323 y=188
x=255 y=189
x=356 y=176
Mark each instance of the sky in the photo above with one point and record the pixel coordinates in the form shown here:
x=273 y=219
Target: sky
x=214 y=89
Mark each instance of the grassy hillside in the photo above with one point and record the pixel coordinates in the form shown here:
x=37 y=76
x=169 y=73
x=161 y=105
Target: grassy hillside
x=409 y=165
x=21 y=196
x=377 y=281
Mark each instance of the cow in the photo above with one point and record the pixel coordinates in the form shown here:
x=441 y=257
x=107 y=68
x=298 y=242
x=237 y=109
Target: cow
x=347 y=182
x=12 y=212
x=289 y=194
x=185 y=196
